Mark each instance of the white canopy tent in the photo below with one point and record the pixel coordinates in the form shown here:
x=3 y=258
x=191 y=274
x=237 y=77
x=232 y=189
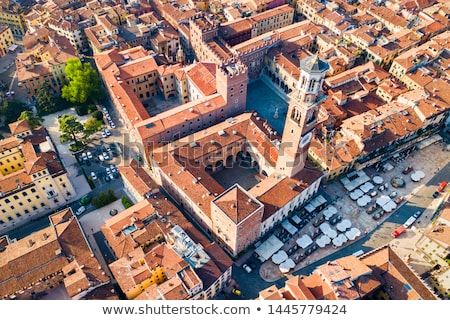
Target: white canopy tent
x=344 y=225
x=389 y=206
x=289 y=227
x=268 y=248
x=279 y=257
x=304 y=241
x=329 y=212
x=364 y=200
x=354 y=179
x=366 y=187
x=340 y=240
x=382 y=200
x=286 y=266
x=353 y=233
x=417 y=176
x=377 y=180
x=356 y=194
x=323 y=240
x=327 y=230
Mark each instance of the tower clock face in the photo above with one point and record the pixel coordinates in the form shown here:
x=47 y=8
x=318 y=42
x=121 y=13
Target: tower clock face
x=305 y=140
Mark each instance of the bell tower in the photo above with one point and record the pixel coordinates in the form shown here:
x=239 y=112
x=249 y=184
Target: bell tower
x=301 y=118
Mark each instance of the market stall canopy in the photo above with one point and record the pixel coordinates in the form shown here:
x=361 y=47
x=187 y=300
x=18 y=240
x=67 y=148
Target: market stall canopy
x=417 y=176
x=377 y=180
x=286 y=266
x=343 y=225
x=268 y=248
x=382 y=200
x=340 y=240
x=289 y=227
x=304 y=241
x=329 y=212
x=364 y=200
x=327 y=230
x=366 y=187
x=353 y=233
x=389 y=206
x=355 y=195
x=279 y=257
x=354 y=179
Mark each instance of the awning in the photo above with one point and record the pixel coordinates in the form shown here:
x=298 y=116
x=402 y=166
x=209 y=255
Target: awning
x=304 y=241
x=289 y=227
x=286 y=266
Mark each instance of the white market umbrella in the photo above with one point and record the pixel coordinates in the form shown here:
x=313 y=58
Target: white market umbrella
x=304 y=241
x=323 y=240
x=420 y=174
x=329 y=211
x=366 y=187
x=356 y=194
x=377 y=180
x=382 y=200
x=286 y=266
x=363 y=201
x=279 y=257
x=343 y=225
x=353 y=233
x=331 y=233
x=324 y=227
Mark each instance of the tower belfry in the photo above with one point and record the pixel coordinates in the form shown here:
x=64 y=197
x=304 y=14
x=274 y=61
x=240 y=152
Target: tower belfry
x=301 y=117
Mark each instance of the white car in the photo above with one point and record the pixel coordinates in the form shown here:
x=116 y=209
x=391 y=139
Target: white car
x=89 y=155
x=106 y=156
x=113 y=168
x=112 y=125
x=100 y=157
x=80 y=210
x=104 y=135
x=108 y=149
x=94 y=176
x=108 y=133
x=247 y=268
x=108 y=171
x=10 y=93
x=84 y=156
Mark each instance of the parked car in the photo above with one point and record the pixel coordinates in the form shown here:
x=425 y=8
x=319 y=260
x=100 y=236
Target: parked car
x=93 y=175
x=393 y=194
x=80 y=210
x=105 y=156
x=84 y=156
x=247 y=268
x=373 y=193
x=85 y=200
x=108 y=133
x=236 y=292
x=417 y=214
x=113 y=168
x=108 y=171
x=89 y=154
x=101 y=158
x=104 y=135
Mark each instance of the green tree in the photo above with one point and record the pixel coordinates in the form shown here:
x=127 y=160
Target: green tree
x=33 y=120
x=97 y=114
x=11 y=110
x=71 y=128
x=92 y=125
x=84 y=83
x=47 y=102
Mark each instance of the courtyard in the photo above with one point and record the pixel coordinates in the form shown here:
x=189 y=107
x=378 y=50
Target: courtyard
x=263 y=99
